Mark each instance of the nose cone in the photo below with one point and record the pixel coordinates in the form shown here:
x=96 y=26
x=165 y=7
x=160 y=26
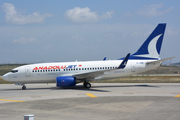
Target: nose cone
x=5 y=77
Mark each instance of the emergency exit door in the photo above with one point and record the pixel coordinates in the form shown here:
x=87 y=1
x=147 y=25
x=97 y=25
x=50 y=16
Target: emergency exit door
x=133 y=68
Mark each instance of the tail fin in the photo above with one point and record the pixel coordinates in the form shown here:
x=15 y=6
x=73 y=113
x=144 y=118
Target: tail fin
x=151 y=48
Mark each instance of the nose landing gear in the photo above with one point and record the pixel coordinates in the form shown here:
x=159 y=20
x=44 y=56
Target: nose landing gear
x=21 y=84
x=23 y=87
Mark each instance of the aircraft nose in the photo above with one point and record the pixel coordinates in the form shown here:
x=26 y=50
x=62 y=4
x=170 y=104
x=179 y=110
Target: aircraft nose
x=5 y=77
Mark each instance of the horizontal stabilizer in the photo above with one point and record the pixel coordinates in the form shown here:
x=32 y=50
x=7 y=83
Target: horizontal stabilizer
x=159 y=61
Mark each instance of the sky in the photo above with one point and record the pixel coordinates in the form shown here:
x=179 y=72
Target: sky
x=84 y=30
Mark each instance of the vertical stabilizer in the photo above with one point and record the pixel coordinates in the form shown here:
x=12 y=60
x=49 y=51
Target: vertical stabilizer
x=151 y=48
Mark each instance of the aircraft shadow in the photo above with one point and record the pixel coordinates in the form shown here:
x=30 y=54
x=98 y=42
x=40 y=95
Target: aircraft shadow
x=57 y=88
x=27 y=89
x=125 y=86
x=81 y=87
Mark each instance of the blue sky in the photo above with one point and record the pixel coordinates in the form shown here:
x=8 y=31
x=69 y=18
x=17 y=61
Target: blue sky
x=49 y=31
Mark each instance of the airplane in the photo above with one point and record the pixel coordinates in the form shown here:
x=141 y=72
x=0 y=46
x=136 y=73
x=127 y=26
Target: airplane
x=66 y=74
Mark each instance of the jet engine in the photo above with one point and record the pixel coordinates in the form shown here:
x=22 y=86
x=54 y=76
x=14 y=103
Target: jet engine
x=65 y=81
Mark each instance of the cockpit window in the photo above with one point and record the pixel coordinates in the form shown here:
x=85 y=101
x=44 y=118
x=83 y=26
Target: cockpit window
x=14 y=71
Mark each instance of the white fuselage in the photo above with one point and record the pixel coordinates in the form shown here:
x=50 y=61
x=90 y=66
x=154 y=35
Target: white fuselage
x=67 y=74
x=48 y=72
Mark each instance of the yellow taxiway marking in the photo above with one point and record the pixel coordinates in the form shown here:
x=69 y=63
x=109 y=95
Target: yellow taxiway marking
x=11 y=100
x=91 y=95
x=177 y=96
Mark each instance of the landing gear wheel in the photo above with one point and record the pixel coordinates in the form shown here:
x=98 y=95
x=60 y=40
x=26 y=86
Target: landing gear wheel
x=23 y=87
x=87 y=85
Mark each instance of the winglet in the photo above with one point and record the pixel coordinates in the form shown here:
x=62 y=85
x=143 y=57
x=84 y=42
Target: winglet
x=124 y=62
x=104 y=58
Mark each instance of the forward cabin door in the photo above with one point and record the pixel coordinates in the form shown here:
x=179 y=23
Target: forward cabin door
x=27 y=72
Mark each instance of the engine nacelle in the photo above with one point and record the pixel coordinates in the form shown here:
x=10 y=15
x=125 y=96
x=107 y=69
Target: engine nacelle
x=65 y=81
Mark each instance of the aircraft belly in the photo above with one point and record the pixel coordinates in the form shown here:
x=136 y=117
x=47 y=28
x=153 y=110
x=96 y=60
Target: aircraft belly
x=116 y=74
x=34 y=81
x=34 y=78
x=44 y=79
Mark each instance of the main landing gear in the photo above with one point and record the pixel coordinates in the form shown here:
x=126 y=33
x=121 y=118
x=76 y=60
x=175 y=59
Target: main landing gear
x=87 y=85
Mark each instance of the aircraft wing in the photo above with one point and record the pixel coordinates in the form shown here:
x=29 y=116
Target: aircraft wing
x=92 y=75
x=159 y=61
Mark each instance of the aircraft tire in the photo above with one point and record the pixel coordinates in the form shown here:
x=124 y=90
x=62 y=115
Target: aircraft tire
x=23 y=87
x=88 y=85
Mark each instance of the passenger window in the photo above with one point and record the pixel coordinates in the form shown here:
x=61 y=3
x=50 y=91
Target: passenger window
x=79 y=68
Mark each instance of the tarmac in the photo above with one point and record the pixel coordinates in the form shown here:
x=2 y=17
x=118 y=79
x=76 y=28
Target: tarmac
x=108 y=101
